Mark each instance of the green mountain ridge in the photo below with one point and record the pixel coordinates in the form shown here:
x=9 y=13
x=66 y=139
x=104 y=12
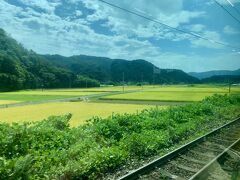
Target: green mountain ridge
x=106 y=69
x=208 y=74
x=24 y=69
x=233 y=79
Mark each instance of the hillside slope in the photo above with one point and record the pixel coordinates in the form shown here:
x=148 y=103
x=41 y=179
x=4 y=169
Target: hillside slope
x=222 y=79
x=106 y=69
x=207 y=74
x=23 y=69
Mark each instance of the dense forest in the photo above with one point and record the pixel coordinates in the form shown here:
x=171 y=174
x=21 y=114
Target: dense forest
x=222 y=79
x=24 y=69
x=208 y=74
x=113 y=71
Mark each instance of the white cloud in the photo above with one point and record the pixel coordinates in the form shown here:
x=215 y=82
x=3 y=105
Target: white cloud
x=168 y=12
x=212 y=36
x=230 y=30
x=42 y=4
x=198 y=63
x=197 y=27
x=47 y=33
x=78 y=13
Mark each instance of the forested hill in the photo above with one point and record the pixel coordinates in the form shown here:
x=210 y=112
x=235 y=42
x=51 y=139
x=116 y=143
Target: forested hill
x=208 y=74
x=24 y=69
x=222 y=79
x=21 y=69
x=106 y=69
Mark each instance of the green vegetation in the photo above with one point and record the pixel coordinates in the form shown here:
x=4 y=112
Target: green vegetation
x=30 y=98
x=110 y=71
x=23 y=69
x=34 y=95
x=175 y=93
x=50 y=149
x=83 y=81
x=38 y=95
x=2 y=102
x=160 y=96
x=222 y=79
x=81 y=111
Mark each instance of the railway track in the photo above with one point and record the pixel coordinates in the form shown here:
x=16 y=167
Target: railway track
x=215 y=155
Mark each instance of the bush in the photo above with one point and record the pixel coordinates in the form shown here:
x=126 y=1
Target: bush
x=50 y=149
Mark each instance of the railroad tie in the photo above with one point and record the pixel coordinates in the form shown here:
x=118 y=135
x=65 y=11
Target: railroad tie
x=180 y=166
x=193 y=160
x=170 y=175
x=202 y=154
x=210 y=149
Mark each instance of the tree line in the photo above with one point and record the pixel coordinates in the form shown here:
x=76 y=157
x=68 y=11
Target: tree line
x=24 y=69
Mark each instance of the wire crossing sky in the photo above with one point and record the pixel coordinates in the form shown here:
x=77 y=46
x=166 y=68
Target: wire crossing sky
x=170 y=27
x=195 y=35
x=228 y=12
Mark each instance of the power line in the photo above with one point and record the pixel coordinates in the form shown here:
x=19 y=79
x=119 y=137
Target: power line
x=167 y=26
x=226 y=10
x=233 y=6
x=230 y=2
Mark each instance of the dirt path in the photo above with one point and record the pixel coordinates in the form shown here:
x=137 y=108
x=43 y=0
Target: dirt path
x=78 y=98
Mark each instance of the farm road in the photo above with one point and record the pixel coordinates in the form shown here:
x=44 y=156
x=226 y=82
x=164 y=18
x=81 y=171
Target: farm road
x=78 y=98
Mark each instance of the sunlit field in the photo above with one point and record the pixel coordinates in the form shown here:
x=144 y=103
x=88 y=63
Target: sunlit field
x=174 y=93
x=51 y=94
x=81 y=111
x=85 y=110
x=99 y=89
x=34 y=95
x=7 y=102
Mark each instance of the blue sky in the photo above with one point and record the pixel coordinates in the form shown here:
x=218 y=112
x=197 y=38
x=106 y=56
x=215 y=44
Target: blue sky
x=73 y=27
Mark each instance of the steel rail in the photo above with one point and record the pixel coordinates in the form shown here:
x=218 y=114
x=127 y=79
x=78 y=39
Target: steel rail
x=205 y=171
x=135 y=174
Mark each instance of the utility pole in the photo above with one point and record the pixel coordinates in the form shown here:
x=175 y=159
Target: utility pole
x=229 y=87
x=86 y=83
x=70 y=82
x=142 y=81
x=153 y=80
x=123 y=81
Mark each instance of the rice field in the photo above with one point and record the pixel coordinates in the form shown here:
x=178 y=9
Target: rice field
x=2 y=102
x=35 y=95
x=81 y=111
x=173 y=93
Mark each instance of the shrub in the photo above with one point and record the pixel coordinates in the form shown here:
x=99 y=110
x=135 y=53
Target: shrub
x=50 y=149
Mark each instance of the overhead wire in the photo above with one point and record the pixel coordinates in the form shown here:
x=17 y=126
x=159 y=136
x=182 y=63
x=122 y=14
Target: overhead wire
x=233 y=6
x=220 y=5
x=168 y=26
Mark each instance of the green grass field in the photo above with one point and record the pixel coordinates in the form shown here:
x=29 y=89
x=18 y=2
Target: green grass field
x=174 y=93
x=98 y=89
x=7 y=102
x=37 y=95
x=81 y=111
x=51 y=94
